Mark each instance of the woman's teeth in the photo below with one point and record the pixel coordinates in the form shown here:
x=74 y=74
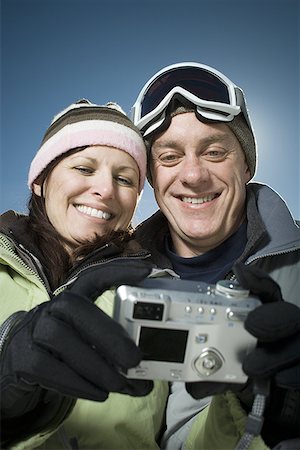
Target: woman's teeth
x=93 y=212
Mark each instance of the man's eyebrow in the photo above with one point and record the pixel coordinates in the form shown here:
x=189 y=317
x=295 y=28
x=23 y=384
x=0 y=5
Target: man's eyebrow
x=215 y=137
x=173 y=143
x=166 y=143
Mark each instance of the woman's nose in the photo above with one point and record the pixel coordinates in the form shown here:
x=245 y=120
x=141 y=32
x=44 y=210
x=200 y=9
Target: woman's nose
x=103 y=185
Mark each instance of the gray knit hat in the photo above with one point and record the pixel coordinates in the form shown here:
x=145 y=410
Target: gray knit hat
x=245 y=137
x=238 y=126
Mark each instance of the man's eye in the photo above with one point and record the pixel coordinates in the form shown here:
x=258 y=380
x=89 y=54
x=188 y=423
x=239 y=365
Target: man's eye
x=215 y=154
x=170 y=158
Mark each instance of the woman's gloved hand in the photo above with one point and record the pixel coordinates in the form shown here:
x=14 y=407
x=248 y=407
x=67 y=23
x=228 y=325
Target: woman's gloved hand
x=69 y=346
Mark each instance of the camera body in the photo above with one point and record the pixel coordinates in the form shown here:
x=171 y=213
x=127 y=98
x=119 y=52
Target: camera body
x=188 y=331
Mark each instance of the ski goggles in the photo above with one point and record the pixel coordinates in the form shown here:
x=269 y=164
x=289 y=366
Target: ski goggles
x=216 y=98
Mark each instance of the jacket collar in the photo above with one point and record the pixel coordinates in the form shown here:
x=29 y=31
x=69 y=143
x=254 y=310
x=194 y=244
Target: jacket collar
x=271 y=228
x=16 y=227
x=282 y=234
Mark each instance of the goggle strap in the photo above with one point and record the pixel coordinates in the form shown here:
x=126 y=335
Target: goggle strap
x=210 y=109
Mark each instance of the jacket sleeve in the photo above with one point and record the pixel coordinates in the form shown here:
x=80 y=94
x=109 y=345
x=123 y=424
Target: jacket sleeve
x=26 y=410
x=20 y=291
x=49 y=410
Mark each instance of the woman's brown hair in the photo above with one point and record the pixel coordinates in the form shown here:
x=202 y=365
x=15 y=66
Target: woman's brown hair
x=57 y=262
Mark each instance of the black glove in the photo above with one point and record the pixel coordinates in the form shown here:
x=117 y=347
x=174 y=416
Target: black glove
x=68 y=345
x=273 y=321
x=276 y=326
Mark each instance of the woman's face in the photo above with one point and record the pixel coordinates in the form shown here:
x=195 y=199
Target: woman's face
x=91 y=192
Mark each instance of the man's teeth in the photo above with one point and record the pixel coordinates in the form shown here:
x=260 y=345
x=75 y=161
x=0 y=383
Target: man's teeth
x=199 y=200
x=93 y=212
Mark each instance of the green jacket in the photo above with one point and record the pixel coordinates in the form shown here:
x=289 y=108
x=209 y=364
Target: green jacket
x=121 y=422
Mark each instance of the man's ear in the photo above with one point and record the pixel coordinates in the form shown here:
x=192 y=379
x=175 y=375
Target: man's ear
x=247 y=175
x=37 y=189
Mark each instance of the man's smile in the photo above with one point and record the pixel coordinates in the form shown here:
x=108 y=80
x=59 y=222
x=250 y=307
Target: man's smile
x=200 y=200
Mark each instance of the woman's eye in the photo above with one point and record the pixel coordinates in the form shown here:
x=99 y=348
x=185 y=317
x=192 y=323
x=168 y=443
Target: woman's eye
x=124 y=181
x=84 y=170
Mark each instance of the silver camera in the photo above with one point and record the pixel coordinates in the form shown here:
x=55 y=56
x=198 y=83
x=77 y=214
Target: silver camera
x=188 y=331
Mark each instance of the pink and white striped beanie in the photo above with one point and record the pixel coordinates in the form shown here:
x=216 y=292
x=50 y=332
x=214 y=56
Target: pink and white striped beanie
x=84 y=124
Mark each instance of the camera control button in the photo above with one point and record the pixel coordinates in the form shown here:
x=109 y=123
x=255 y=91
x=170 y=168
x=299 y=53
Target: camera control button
x=201 y=338
x=165 y=297
x=208 y=363
x=176 y=374
x=200 y=310
x=139 y=372
x=213 y=311
x=188 y=309
x=236 y=316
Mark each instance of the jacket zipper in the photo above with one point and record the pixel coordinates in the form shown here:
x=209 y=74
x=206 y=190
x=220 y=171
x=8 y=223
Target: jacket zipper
x=231 y=277
x=11 y=321
x=100 y=262
x=283 y=252
x=8 y=246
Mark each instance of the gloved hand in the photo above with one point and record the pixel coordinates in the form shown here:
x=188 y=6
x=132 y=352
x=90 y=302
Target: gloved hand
x=68 y=345
x=276 y=324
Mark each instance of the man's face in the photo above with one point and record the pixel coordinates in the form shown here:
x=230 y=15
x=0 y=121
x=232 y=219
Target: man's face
x=199 y=175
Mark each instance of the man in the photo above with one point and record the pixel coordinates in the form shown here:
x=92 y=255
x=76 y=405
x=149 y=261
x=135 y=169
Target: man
x=214 y=224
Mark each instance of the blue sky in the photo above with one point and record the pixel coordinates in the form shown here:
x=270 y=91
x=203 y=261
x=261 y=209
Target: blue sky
x=54 y=52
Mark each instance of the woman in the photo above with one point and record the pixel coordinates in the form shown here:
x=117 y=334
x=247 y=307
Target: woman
x=73 y=246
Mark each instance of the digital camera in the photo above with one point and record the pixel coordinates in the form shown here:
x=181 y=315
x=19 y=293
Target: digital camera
x=188 y=331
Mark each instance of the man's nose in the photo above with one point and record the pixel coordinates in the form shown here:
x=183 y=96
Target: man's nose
x=193 y=171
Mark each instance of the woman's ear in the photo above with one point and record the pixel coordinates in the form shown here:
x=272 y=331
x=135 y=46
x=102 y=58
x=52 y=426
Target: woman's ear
x=37 y=189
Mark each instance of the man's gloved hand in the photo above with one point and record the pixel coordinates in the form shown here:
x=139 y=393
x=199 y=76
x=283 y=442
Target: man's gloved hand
x=276 y=325
x=68 y=345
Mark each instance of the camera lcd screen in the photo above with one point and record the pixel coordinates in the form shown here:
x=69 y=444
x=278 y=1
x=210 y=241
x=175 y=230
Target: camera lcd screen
x=163 y=344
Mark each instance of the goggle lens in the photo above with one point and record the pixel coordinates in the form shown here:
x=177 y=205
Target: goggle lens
x=197 y=81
